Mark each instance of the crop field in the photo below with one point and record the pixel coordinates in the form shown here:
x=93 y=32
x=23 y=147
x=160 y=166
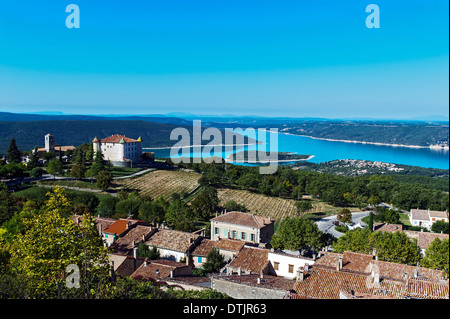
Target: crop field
x=161 y=183
x=274 y=207
x=259 y=204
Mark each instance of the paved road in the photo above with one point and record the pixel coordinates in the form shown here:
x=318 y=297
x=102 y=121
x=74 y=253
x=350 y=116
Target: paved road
x=326 y=224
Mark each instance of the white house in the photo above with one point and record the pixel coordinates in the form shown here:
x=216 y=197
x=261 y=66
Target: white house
x=286 y=265
x=242 y=226
x=426 y=218
x=119 y=149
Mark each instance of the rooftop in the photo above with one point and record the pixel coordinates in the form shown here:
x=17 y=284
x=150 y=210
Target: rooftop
x=121 y=225
x=172 y=240
x=244 y=219
x=117 y=138
x=251 y=259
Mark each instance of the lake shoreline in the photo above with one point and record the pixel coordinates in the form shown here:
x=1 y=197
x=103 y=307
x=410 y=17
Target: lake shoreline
x=433 y=147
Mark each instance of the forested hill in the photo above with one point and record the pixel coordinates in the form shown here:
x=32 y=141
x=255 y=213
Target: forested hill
x=29 y=134
x=393 y=132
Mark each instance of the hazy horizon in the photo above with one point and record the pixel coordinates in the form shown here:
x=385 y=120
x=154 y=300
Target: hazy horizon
x=264 y=57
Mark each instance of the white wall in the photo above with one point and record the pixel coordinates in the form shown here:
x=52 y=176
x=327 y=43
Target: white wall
x=285 y=261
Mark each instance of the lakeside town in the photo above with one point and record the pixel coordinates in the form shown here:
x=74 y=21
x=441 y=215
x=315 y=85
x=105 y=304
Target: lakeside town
x=180 y=233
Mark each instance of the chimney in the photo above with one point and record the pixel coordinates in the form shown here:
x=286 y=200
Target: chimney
x=258 y=281
x=374 y=252
x=239 y=271
x=135 y=252
x=306 y=267
x=314 y=257
x=261 y=275
x=146 y=262
x=133 y=244
x=171 y=274
x=300 y=274
x=415 y=273
x=339 y=265
x=376 y=277
x=143 y=238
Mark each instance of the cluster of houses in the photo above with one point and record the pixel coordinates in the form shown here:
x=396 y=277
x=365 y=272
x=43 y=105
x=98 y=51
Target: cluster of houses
x=254 y=271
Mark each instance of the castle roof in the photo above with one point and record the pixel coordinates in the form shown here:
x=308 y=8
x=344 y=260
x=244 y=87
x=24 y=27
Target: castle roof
x=118 y=139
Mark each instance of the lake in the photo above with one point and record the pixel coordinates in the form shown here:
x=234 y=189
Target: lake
x=324 y=151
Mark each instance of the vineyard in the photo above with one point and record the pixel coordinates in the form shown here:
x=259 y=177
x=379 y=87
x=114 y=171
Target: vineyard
x=259 y=204
x=162 y=183
x=273 y=207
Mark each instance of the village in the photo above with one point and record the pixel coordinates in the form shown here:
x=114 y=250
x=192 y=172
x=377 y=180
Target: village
x=249 y=266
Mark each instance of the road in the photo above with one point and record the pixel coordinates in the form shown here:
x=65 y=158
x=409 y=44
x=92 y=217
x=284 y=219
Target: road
x=326 y=224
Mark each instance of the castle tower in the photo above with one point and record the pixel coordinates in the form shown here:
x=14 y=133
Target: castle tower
x=49 y=143
x=96 y=144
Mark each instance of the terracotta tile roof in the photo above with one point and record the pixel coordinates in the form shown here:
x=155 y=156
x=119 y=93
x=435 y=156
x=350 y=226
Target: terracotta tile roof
x=356 y=262
x=426 y=238
x=205 y=246
x=229 y=244
x=321 y=283
x=268 y=281
x=244 y=219
x=172 y=240
x=117 y=138
x=328 y=259
x=148 y=269
x=391 y=228
x=417 y=288
x=401 y=271
x=124 y=244
x=425 y=214
x=57 y=148
x=251 y=260
x=121 y=225
x=420 y=214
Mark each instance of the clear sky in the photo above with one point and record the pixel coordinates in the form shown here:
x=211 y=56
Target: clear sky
x=264 y=57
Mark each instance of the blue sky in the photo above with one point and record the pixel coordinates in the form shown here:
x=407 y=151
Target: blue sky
x=265 y=57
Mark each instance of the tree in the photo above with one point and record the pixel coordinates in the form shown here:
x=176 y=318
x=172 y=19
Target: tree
x=303 y=206
x=34 y=159
x=52 y=242
x=179 y=216
x=77 y=171
x=374 y=200
x=14 y=155
x=233 y=206
x=297 y=234
x=214 y=261
x=437 y=256
x=107 y=207
x=440 y=226
x=344 y=216
x=128 y=208
x=146 y=252
x=370 y=223
x=36 y=172
x=153 y=211
x=104 y=180
x=98 y=164
x=205 y=203
x=55 y=168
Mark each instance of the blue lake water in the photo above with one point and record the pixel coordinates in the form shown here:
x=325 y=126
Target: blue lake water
x=323 y=151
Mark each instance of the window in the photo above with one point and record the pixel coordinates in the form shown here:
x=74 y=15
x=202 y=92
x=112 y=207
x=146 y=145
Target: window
x=276 y=265
x=243 y=236
x=216 y=231
x=253 y=237
x=199 y=259
x=234 y=234
x=291 y=269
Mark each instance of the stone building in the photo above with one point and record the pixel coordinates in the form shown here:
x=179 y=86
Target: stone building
x=119 y=149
